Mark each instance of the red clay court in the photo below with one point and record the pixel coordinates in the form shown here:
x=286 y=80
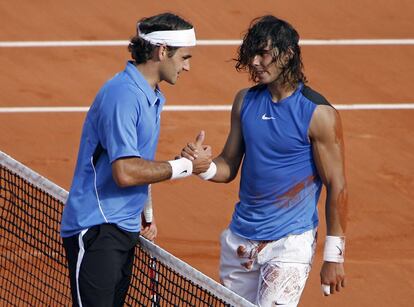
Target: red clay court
x=190 y=213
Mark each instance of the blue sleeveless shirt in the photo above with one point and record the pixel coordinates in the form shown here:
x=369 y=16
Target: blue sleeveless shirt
x=279 y=186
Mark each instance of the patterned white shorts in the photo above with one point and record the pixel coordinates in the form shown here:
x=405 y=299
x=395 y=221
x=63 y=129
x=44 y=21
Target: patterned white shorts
x=267 y=273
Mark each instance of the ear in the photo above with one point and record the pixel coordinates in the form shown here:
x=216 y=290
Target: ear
x=286 y=57
x=162 y=52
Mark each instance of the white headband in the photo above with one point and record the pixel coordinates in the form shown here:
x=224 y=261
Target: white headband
x=173 y=38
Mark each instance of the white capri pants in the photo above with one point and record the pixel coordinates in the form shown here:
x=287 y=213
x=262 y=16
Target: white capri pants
x=267 y=273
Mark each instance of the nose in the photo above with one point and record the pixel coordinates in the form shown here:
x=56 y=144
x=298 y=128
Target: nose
x=186 y=65
x=256 y=60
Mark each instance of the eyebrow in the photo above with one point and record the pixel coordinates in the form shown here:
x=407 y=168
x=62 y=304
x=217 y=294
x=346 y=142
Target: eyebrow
x=185 y=57
x=263 y=50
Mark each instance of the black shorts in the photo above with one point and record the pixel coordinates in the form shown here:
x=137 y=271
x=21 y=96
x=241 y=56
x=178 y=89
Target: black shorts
x=100 y=265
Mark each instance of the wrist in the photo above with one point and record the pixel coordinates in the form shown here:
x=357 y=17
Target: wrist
x=210 y=172
x=181 y=168
x=148 y=214
x=334 y=250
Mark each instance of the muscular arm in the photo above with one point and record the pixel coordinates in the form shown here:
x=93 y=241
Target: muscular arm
x=228 y=162
x=328 y=152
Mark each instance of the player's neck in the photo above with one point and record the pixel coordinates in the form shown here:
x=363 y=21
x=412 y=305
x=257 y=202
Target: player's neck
x=280 y=90
x=150 y=73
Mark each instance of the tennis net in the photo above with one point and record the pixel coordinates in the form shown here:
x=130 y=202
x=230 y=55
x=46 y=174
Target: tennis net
x=33 y=264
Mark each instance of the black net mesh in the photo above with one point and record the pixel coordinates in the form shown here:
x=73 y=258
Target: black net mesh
x=33 y=264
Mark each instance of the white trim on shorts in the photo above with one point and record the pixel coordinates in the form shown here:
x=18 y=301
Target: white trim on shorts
x=79 y=262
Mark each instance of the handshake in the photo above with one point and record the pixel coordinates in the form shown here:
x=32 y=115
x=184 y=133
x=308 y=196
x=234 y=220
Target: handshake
x=195 y=158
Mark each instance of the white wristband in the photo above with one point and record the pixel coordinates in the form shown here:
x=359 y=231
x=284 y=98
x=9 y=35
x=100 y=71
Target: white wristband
x=148 y=207
x=148 y=214
x=210 y=173
x=334 y=249
x=181 y=168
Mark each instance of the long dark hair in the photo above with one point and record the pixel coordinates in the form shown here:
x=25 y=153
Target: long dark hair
x=283 y=38
x=141 y=50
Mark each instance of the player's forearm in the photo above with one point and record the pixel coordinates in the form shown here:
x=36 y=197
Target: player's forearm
x=336 y=209
x=226 y=172
x=136 y=171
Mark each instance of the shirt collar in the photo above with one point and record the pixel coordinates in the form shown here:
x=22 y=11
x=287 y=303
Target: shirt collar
x=153 y=96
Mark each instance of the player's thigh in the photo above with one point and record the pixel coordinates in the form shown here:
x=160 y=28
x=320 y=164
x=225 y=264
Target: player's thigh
x=238 y=273
x=107 y=252
x=282 y=283
x=123 y=285
x=285 y=267
x=71 y=245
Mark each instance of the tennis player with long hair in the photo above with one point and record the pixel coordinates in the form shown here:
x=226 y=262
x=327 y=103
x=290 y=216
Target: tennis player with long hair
x=102 y=217
x=289 y=141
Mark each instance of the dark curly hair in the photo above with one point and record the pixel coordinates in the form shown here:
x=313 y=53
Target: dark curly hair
x=283 y=39
x=140 y=49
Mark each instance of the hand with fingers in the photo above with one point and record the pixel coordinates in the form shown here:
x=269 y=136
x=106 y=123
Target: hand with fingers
x=198 y=153
x=191 y=150
x=332 y=277
x=148 y=230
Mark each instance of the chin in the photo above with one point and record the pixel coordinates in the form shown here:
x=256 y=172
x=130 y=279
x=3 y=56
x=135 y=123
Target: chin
x=267 y=80
x=172 y=82
x=263 y=81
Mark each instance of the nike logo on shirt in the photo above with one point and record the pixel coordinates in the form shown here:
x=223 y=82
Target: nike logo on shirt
x=183 y=172
x=264 y=117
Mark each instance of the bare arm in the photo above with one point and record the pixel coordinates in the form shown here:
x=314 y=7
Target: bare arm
x=328 y=152
x=133 y=171
x=228 y=162
x=136 y=171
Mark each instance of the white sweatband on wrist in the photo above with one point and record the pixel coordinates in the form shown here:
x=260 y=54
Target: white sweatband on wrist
x=334 y=249
x=181 y=168
x=148 y=212
x=210 y=173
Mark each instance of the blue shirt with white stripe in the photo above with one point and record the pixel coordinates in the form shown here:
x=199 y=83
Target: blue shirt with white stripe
x=123 y=121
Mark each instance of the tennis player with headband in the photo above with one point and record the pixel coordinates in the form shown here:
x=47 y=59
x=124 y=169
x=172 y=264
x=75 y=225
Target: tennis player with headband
x=102 y=217
x=288 y=140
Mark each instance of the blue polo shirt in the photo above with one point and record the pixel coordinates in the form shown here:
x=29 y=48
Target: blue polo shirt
x=123 y=121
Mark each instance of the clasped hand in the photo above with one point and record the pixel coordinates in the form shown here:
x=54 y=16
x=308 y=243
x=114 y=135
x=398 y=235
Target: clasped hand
x=198 y=153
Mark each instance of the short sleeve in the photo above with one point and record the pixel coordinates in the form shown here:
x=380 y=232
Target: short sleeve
x=117 y=124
